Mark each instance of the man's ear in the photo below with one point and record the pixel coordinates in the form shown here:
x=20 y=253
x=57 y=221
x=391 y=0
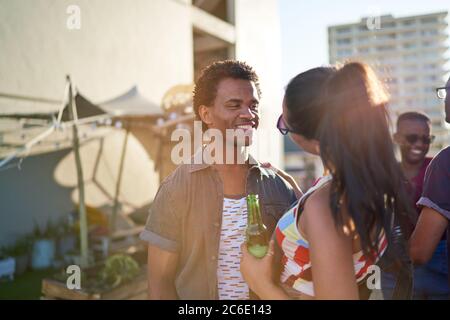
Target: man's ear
x=205 y=114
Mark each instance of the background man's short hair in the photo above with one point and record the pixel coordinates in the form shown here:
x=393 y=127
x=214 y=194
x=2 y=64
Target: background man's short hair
x=413 y=115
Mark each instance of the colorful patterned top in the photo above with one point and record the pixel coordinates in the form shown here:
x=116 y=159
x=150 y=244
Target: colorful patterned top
x=296 y=265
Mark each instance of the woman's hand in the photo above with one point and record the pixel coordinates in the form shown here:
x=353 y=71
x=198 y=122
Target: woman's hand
x=257 y=272
x=285 y=176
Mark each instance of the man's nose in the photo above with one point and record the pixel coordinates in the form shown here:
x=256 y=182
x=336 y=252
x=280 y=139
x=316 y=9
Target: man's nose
x=419 y=143
x=247 y=113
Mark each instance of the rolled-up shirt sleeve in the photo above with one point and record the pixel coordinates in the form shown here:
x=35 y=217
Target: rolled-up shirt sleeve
x=163 y=224
x=436 y=188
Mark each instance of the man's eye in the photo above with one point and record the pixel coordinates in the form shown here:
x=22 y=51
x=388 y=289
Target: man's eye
x=233 y=106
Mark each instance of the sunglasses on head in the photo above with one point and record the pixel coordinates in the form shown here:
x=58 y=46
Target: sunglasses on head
x=413 y=138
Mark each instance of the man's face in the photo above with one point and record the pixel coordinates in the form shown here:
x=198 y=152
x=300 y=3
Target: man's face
x=447 y=103
x=235 y=108
x=413 y=152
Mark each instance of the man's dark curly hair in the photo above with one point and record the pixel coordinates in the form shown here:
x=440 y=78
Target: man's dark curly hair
x=206 y=86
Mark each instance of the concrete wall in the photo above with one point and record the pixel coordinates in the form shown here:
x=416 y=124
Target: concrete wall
x=120 y=43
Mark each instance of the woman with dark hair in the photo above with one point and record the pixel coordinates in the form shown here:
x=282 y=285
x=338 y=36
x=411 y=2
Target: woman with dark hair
x=342 y=225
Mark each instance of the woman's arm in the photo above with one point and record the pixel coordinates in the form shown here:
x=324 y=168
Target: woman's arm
x=331 y=251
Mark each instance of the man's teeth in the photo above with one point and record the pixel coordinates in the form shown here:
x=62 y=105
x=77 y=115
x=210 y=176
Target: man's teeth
x=245 y=127
x=416 y=151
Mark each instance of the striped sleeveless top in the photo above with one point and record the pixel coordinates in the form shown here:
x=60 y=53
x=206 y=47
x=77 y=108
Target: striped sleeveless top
x=296 y=265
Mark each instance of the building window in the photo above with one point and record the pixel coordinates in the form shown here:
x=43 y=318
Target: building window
x=388 y=25
x=363 y=50
x=389 y=36
x=344 y=52
x=344 y=41
x=343 y=30
x=409 y=34
x=429 y=20
x=431 y=32
x=409 y=45
x=410 y=56
x=431 y=78
x=408 y=22
x=385 y=48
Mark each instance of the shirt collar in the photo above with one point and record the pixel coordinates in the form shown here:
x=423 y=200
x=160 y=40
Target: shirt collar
x=195 y=167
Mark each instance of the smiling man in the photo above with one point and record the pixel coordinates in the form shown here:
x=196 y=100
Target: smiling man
x=413 y=138
x=198 y=218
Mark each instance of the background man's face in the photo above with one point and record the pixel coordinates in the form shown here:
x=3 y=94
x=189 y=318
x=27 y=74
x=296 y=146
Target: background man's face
x=413 y=153
x=236 y=107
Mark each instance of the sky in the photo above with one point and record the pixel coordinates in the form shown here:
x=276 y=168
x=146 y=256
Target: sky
x=304 y=25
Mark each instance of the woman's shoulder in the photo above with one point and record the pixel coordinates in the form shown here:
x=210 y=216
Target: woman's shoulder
x=317 y=203
x=315 y=211
x=319 y=216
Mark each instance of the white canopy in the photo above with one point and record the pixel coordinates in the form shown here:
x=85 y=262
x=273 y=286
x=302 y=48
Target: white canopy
x=131 y=103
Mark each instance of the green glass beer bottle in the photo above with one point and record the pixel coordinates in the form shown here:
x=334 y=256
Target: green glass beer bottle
x=256 y=233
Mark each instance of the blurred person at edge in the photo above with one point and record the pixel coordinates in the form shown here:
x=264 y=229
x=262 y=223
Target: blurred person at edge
x=435 y=202
x=413 y=138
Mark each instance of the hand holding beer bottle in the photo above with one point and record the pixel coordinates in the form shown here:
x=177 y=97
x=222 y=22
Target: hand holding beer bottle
x=256 y=234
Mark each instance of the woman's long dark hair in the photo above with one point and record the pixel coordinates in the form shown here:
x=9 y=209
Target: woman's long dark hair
x=345 y=110
x=356 y=145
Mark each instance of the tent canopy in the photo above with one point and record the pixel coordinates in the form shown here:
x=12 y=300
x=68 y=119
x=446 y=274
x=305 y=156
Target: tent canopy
x=131 y=103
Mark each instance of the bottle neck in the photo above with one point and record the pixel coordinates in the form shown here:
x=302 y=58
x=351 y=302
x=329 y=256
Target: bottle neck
x=254 y=213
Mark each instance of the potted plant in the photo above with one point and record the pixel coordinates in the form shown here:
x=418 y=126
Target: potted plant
x=20 y=251
x=67 y=238
x=7 y=266
x=43 y=252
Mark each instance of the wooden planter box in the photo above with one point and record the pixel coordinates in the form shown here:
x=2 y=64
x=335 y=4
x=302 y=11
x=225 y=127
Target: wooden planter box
x=133 y=290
